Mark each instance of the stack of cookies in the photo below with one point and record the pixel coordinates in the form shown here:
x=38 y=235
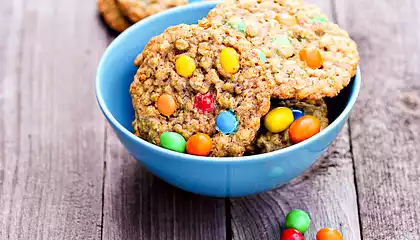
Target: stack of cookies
x=120 y=14
x=249 y=78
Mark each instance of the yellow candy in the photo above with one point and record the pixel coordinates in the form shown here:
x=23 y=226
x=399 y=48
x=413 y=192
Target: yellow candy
x=278 y=119
x=229 y=60
x=185 y=66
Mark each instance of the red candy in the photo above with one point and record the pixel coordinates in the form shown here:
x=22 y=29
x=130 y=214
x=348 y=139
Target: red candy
x=291 y=234
x=204 y=102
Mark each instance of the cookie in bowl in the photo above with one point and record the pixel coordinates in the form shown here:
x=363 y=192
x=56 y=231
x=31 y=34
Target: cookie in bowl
x=309 y=56
x=191 y=80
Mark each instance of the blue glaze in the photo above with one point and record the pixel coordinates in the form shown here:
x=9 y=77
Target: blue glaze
x=213 y=176
x=297 y=114
x=226 y=122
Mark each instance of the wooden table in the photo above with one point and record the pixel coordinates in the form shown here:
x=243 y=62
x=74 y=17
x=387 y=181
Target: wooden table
x=64 y=175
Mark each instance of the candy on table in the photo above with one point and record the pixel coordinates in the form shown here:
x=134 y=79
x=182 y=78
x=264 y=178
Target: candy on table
x=199 y=144
x=204 y=102
x=298 y=219
x=297 y=113
x=185 y=66
x=291 y=234
x=278 y=119
x=328 y=234
x=166 y=104
x=226 y=122
x=229 y=60
x=312 y=56
x=304 y=128
x=173 y=141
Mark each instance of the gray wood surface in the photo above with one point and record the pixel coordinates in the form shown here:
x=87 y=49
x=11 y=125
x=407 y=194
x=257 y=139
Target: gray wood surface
x=64 y=175
x=52 y=133
x=327 y=192
x=138 y=205
x=385 y=125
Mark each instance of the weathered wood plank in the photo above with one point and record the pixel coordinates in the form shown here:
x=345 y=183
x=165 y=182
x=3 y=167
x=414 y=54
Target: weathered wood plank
x=385 y=125
x=52 y=133
x=327 y=192
x=140 y=206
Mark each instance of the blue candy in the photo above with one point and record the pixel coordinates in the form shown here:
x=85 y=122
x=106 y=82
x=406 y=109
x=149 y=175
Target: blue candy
x=297 y=113
x=226 y=122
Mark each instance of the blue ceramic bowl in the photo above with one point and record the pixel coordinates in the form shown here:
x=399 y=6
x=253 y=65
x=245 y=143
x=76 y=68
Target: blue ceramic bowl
x=229 y=176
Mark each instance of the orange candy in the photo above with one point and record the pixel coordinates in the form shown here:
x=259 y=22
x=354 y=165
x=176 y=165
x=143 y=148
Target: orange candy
x=166 y=104
x=304 y=128
x=328 y=234
x=199 y=144
x=286 y=19
x=312 y=56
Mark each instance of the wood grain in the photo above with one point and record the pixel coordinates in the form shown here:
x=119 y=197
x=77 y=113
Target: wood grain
x=385 y=126
x=327 y=192
x=140 y=206
x=52 y=133
x=64 y=175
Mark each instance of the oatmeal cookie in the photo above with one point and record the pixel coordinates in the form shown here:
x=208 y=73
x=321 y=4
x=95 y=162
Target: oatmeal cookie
x=112 y=15
x=308 y=56
x=268 y=142
x=136 y=10
x=205 y=73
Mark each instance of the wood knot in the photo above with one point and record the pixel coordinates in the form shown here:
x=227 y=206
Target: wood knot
x=410 y=103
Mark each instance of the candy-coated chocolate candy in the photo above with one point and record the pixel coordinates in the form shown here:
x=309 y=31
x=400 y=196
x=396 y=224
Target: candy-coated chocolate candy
x=229 y=60
x=312 y=56
x=204 y=102
x=185 y=66
x=166 y=104
x=226 y=122
x=262 y=56
x=278 y=119
x=298 y=219
x=304 y=128
x=286 y=19
x=297 y=114
x=328 y=234
x=319 y=19
x=173 y=141
x=291 y=234
x=237 y=24
x=282 y=40
x=199 y=144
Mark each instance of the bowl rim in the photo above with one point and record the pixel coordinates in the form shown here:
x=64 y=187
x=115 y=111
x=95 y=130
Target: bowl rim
x=252 y=158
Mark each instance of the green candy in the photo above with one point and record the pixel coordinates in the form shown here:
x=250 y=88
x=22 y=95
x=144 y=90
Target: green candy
x=262 y=56
x=319 y=19
x=299 y=220
x=282 y=41
x=237 y=25
x=173 y=141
